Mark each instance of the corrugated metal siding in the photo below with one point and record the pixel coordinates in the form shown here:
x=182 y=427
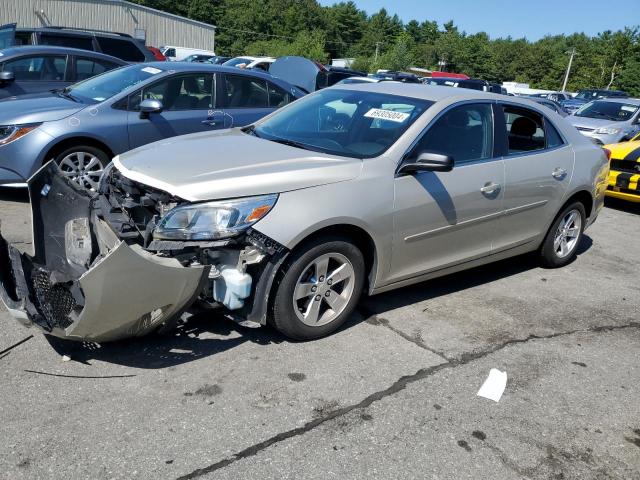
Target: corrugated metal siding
x=110 y=15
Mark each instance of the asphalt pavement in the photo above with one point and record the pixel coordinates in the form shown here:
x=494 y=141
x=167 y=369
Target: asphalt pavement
x=391 y=395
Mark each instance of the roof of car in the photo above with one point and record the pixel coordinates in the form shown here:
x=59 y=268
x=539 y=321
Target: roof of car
x=43 y=49
x=434 y=93
x=626 y=100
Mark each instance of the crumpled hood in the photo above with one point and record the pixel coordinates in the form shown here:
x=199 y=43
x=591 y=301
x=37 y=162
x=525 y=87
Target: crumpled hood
x=36 y=108
x=230 y=163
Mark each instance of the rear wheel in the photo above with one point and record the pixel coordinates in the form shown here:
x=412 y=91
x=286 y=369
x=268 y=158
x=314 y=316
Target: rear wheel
x=561 y=243
x=83 y=165
x=318 y=289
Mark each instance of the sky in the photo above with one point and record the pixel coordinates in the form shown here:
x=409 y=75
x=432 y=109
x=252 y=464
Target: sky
x=501 y=18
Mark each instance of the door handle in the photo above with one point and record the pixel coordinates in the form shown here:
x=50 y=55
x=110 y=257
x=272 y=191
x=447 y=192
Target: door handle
x=490 y=188
x=559 y=173
x=211 y=122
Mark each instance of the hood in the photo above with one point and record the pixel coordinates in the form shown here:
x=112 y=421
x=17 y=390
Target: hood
x=594 y=123
x=230 y=163
x=37 y=108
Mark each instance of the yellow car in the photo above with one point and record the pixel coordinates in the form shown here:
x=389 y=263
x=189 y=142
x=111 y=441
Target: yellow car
x=624 y=179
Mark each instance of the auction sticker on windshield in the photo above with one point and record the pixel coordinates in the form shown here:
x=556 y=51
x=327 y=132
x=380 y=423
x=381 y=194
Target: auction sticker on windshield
x=398 y=117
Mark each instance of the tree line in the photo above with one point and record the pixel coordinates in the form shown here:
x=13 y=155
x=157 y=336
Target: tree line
x=382 y=40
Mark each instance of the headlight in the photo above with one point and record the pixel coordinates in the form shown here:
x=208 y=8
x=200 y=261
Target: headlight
x=213 y=220
x=607 y=131
x=9 y=133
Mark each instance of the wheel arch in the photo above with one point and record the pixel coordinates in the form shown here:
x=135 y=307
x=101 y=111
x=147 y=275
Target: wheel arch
x=582 y=196
x=62 y=144
x=361 y=239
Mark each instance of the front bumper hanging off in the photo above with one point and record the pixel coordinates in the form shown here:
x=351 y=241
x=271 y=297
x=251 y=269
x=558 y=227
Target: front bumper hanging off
x=83 y=282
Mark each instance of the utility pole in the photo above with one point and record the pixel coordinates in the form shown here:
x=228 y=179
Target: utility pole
x=573 y=53
x=377 y=49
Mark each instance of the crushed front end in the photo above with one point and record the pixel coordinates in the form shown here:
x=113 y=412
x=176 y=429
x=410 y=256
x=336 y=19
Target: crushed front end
x=100 y=272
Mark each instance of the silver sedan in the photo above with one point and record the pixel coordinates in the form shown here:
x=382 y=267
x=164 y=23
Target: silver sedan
x=350 y=190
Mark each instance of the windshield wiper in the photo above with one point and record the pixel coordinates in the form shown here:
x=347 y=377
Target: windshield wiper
x=251 y=130
x=290 y=143
x=64 y=92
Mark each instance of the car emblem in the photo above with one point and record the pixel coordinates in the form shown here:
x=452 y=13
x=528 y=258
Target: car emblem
x=637 y=167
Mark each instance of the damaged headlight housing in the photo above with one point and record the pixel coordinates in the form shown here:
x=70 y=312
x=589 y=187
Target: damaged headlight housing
x=213 y=220
x=10 y=133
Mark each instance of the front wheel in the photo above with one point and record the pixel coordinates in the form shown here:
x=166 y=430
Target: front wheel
x=318 y=289
x=561 y=243
x=83 y=165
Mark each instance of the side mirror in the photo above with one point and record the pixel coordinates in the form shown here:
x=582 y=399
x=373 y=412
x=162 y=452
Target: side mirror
x=150 y=106
x=428 y=162
x=6 y=78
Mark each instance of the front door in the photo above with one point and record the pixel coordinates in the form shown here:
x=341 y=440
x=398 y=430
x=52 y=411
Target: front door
x=538 y=168
x=446 y=218
x=188 y=107
x=34 y=74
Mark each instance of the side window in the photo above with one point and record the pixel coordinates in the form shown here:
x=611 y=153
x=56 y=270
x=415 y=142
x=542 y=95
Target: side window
x=184 y=92
x=464 y=132
x=553 y=137
x=171 y=52
x=73 y=41
x=38 y=68
x=245 y=92
x=87 y=68
x=123 y=49
x=525 y=130
x=277 y=96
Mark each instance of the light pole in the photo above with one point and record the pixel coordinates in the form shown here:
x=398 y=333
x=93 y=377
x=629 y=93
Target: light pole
x=573 y=53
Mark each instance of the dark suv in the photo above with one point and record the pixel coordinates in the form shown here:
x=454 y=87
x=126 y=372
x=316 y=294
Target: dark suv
x=34 y=69
x=119 y=45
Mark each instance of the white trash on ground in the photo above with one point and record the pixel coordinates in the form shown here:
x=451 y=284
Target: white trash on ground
x=493 y=387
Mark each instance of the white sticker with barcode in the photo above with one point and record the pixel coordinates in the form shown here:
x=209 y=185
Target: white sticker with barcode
x=151 y=70
x=390 y=115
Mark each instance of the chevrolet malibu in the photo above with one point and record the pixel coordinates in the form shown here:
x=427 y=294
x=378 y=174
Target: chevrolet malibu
x=352 y=189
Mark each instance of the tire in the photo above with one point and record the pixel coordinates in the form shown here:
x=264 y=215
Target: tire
x=83 y=165
x=563 y=238
x=324 y=303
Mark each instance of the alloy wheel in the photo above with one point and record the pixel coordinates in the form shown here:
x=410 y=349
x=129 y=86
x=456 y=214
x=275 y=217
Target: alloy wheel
x=567 y=234
x=324 y=289
x=82 y=168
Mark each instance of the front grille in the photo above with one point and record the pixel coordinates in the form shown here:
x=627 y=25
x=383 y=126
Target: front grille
x=54 y=302
x=630 y=166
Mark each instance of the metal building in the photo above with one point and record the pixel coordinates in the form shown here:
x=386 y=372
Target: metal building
x=155 y=27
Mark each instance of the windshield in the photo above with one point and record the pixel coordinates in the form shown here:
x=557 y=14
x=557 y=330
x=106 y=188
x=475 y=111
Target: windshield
x=234 y=62
x=614 y=111
x=343 y=122
x=102 y=87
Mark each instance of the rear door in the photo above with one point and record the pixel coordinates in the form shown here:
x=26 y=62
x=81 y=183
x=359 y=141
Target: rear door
x=244 y=99
x=86 y=67
x=538 y=168
x=7 y=35
x=188 y=101
x=35 y=73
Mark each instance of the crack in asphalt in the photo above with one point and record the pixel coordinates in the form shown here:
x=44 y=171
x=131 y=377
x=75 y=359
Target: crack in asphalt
x=14 y=346
x=376 y=320
x=396 y=387
x=78 y=376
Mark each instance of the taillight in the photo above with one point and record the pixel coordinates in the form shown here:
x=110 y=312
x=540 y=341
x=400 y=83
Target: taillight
x=607 y=152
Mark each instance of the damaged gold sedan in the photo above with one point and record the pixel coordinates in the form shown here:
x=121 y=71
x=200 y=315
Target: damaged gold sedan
x=289 y=220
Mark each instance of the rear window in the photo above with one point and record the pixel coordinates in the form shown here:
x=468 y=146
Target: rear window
x=123 y=49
